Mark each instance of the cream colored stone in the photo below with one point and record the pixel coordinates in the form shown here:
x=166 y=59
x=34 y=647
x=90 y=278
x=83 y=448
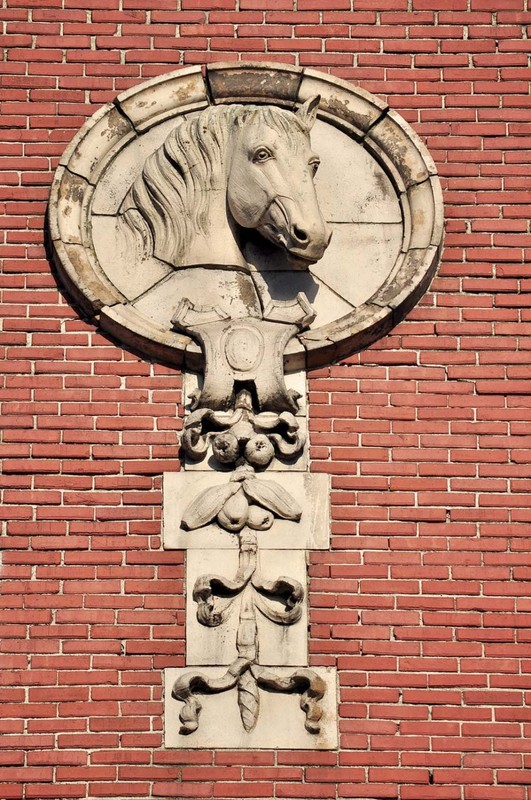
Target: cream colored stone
x=353 y=106
x=417 y=269
x=422 y=210
x=106 y=132
x=368 y=158
x=193 y=382
x=311 y=492
x=404 y=147
x=273 y=285
x=132 y=278
x=294 y=380
x=229 y=290
x=351 y=184
x=165 y=96
x=253 y=82
x=77 y=266
x=143 y=335
x=367 y=252
x=126 y=166
x=280 y=723
x=70 y=197
x=278 y=644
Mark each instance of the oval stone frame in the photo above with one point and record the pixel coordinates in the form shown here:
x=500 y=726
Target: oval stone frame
x=383 y=134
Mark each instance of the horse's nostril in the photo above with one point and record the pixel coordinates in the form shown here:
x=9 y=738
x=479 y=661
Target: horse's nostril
x=300 y=235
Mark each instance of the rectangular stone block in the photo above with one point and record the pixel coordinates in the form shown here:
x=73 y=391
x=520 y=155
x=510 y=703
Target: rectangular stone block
x=280 y=724
x=278 y=644
x=166 y=96
x=312 y=493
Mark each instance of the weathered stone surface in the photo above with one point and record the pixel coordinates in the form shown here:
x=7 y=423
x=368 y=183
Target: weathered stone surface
x=280 y=724
x=404 y=147
x=277 y=643
x=75 y=263
x=311 y=492
x=132 y=279
x=126 y=166
x=368 y=252
x=374 y=171
x=188 y=217
x=422 y=209
x=342 y=102
x=351 y=185
x=70 y=197
x=296 y=383
x=328 y=305
x=231 y=291
x=106 y=132
x=165 y=96
x=253 y=82
x=417 y=265
x=138 y=332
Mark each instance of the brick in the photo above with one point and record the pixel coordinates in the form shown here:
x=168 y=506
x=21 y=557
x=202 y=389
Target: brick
x=423 y=600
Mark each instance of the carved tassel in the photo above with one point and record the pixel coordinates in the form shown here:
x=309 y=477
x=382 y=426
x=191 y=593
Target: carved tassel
x=247 y=646
x=248 y=700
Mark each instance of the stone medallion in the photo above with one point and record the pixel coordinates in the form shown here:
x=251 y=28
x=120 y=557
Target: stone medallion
x=376 y=191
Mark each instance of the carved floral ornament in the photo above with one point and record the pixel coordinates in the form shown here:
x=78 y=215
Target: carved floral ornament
x=192 y=199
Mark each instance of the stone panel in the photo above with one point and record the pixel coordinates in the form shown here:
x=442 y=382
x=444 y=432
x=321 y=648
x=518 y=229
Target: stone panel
x=278 y=644
x=280 y=724
x=312 y=492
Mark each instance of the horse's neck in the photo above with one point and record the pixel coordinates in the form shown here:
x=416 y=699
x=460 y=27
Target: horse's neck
x=219 y=244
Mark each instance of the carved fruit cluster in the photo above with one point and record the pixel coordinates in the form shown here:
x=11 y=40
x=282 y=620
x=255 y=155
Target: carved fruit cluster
x=237 y=512
x=244 y=500
x=242 y=437
x=258 y=450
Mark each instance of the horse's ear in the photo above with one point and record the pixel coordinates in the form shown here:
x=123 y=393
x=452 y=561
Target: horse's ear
x=308 y=111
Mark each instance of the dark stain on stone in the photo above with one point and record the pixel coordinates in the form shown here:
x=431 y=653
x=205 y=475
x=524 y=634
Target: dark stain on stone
x=117 y=126
x=248 y=84
x=72 y=188
x=342 y=109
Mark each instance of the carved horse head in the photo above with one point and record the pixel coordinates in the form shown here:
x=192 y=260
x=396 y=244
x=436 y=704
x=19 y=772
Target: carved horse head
x=228 y=167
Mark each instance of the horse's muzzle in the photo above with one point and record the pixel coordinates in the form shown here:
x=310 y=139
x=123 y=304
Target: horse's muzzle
x=306 y=251
x=305 y=242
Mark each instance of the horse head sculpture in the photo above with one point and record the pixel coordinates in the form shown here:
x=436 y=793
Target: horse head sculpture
x=227 y=168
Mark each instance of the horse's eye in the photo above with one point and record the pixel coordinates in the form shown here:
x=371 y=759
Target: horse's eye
x=314 y=165
x=261 y=155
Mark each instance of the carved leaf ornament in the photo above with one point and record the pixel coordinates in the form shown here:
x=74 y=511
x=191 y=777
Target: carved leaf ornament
x=241 y=502
x=245 y=435
x=304 y=682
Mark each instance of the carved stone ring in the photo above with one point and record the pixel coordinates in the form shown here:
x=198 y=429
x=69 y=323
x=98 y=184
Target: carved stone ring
x=200 y=196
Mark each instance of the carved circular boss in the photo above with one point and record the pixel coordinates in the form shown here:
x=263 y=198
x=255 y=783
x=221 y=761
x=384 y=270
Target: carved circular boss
x=246 y=191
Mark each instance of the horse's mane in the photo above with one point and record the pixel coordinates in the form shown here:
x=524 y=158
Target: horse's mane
x=169 y=201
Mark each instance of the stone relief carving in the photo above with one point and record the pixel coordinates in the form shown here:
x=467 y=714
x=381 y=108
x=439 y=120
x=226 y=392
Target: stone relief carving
x=241 y=435
x=232 y=167
x=189 y=219
x=214 y=595
x=258 y=166
x=130 y=256
x=247 y=166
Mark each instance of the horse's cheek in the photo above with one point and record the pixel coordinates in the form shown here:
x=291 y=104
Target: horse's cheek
x=245 y=198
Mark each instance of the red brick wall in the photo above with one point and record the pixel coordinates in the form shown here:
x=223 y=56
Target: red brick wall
x=423 y=601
